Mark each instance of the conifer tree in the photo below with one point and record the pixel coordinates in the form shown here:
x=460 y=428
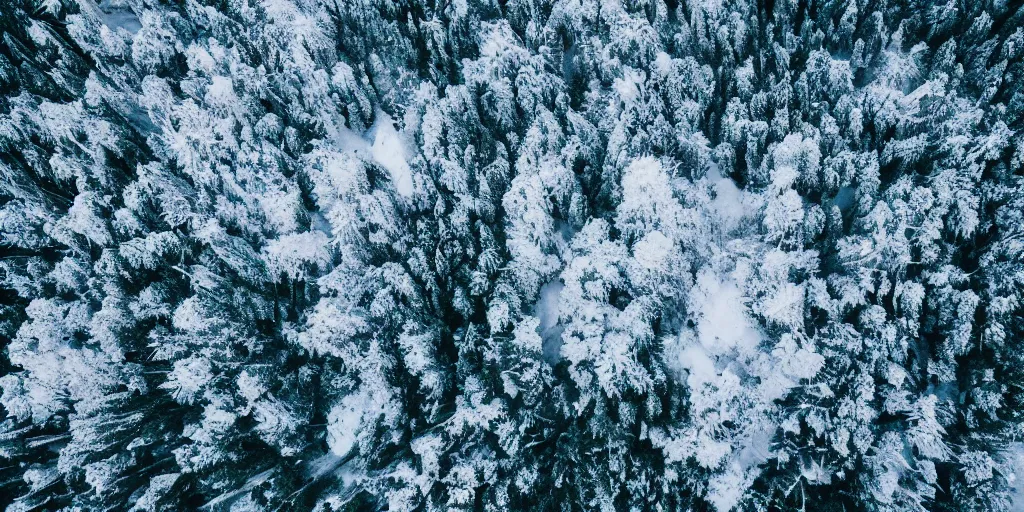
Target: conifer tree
x=528 y=255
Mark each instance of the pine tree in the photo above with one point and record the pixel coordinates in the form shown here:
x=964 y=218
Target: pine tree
x=561 y=255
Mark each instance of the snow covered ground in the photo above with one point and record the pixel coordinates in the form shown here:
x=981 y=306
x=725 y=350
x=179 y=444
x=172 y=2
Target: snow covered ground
x=547 y=311
x=388 y=150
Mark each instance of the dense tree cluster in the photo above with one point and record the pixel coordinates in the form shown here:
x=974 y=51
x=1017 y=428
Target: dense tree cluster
x=262 y=255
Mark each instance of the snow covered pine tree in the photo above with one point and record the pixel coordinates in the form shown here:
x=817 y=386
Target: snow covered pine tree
x=554 y=255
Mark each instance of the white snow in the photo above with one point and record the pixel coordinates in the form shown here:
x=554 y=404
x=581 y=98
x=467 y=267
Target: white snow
x=295 y=254
x=323 y=465
x=663 y=63
x=562 y=242
x=122 y=19
x=547 y=311
x=757 y=448
x=158 y=486
x=389 y=152
x=115 y=14
x=343 y=423
x=728 y=202
x=249 y=484
x=711 y=6
x=199 y=59
x=319 y=222
x=726 y=489
x=654 y=252
x=694 y=359
x=627 y=87
x=386 y=149
x=1015 y=459
x=188 y=316
x=723 y=323
x=221 y=91
x=350 y=141
x=280 y=207
x=723 y=330
x=188 y=378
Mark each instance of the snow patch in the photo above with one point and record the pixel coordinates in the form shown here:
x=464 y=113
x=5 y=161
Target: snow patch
x=564 y=240
x=695 y=360
x=323 y=465
x=653 y=252
x=757 y=449
x=350 y=141
x=389 y=152
x=381 y=144
x=723 y=324
x=1016 y=463
x=115 y=15
x=663 y=63
x=343 y=423
x=627 y=87
x=726 y=489
x=547 y=311
x=319 y=222
x=251 y=483
x=221 y=92
x=728 y=201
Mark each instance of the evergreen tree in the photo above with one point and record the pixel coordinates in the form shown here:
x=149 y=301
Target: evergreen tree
x=533 y=255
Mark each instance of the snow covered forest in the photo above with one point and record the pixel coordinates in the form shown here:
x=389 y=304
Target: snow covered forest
x=552 y=255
